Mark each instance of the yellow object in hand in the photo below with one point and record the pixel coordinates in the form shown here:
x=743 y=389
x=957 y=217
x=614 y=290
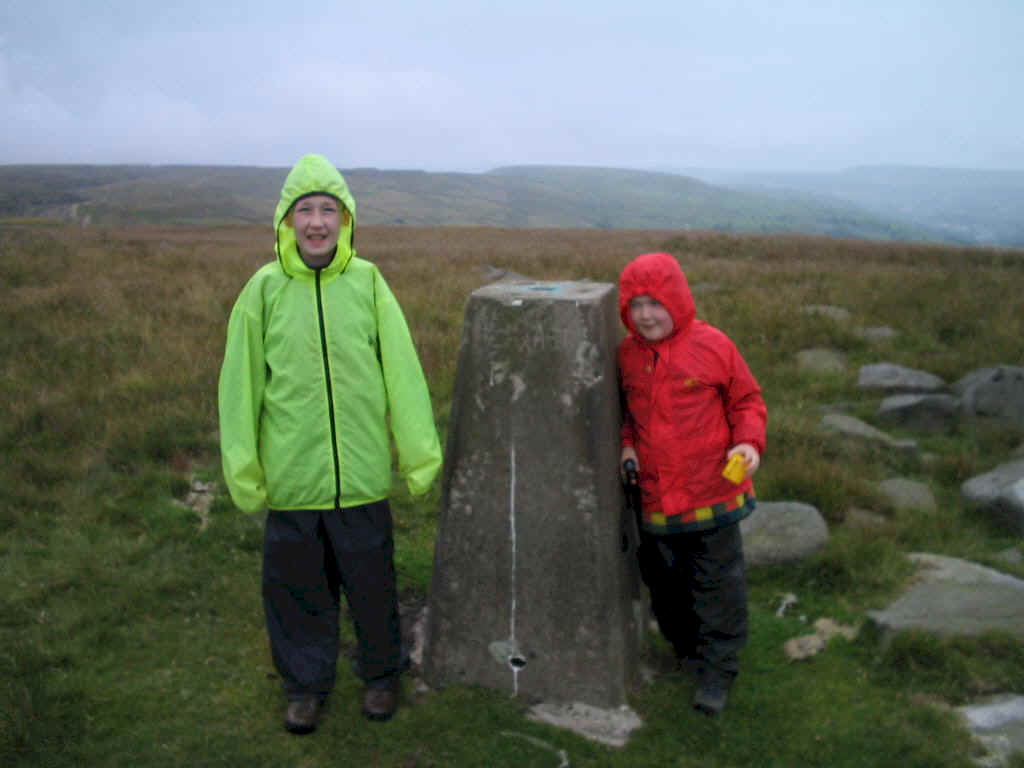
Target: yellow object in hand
x=736 y=470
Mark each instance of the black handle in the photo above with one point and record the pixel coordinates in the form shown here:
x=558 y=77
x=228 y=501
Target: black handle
x=632 y=476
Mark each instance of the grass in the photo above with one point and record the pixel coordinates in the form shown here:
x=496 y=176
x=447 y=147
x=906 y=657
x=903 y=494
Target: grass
x=131 y=634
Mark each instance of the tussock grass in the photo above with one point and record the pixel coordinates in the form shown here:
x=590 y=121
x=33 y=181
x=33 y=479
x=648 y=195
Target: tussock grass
x=132 y=634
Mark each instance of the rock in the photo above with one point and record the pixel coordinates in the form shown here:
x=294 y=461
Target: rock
x=994 y=393
x=896 y=378
x=999 y=494
x=607 y=726
x=908 y=494
x=932 y=413
x=199 y=499
x=998 y=723
x=415 y=623
x=830 y=628
x=781 y=532
x=877 y=333
x=821 y=360
x=788 y=599
x=837 y=314
x=956 y=597
x=851 y=426
x=805 y=646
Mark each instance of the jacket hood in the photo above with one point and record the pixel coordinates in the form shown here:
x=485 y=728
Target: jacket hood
x=313 y=175
x=659 y=276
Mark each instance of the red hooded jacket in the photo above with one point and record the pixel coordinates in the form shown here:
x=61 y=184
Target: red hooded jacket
x=689 y=398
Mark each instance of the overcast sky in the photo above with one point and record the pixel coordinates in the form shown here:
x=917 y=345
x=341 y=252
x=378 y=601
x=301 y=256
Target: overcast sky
x=468 y=85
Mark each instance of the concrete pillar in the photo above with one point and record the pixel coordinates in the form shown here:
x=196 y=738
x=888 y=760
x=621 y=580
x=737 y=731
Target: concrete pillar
x=535 y=577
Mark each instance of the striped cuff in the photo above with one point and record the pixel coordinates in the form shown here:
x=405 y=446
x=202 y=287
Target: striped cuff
x=728 y=511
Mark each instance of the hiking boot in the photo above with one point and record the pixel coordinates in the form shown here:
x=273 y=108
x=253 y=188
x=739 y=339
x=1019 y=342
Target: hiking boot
x=711 y=696
x=379 y=704
x=303 y=715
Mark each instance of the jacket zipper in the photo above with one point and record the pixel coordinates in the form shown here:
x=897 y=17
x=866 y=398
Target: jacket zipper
x=330 y=392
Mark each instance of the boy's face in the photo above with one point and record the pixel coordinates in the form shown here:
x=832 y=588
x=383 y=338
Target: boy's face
x=650 y=318
x=317 y=222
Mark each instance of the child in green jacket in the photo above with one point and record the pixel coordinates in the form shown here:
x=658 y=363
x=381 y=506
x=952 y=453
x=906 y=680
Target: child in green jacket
x=319 y=363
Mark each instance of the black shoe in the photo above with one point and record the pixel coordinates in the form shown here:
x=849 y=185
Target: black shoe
x=380 y=703
x=303 y=715
x=711 y=696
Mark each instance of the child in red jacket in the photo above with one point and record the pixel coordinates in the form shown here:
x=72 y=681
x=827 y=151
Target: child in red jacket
x=691 y=404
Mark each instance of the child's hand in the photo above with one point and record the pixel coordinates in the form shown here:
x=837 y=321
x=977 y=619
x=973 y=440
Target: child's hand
x=751 y=458
x=628 y=454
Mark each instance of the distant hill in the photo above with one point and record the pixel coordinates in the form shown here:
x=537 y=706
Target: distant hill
x=129 y=195
x=522 y=196
x=953 y=204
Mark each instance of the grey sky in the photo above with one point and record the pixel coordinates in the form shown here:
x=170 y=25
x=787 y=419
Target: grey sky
x=466 y=85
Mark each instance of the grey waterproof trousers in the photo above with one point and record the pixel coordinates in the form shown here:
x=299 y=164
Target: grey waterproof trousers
x=699 y=594
x=309 y=558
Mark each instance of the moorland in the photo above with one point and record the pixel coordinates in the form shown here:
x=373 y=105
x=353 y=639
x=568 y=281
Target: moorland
x=131 y=627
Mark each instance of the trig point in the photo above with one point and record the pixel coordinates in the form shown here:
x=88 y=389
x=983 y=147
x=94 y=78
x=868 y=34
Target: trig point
x=534 y=571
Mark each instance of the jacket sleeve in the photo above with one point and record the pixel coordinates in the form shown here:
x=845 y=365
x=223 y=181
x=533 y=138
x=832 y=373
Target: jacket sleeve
x=744 y=406
x=626 y=433
x=240 y=401
x=409 y=405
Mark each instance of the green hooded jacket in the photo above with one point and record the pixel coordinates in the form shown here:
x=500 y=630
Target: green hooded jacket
x=318 y=364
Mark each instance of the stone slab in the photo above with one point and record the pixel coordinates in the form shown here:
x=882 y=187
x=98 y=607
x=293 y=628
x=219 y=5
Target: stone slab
x=994 y=393
x=931 y=413
x=852 y=427
x=612 y=727
x=897 y=378
x=999 y=493
x=904 y=493
x=956 y=597
x=998 y=724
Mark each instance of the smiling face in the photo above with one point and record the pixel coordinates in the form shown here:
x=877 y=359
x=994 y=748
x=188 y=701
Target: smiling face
x=317 y=223
x=650 y=318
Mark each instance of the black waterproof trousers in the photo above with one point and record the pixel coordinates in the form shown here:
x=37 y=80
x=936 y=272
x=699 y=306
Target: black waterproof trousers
x=698 y=591
x=309 y=558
